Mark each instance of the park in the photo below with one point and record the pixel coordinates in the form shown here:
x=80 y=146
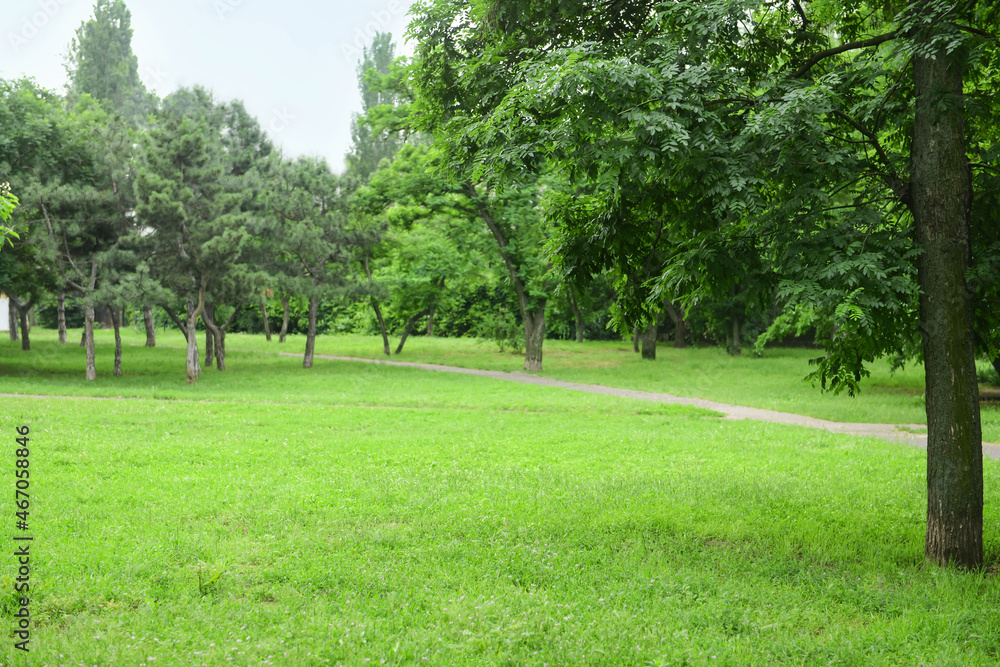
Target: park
x=614 y=333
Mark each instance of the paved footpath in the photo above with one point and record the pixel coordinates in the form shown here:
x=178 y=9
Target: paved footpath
x=888 y=432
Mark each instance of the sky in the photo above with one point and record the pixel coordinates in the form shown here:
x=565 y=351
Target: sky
x=293 y=62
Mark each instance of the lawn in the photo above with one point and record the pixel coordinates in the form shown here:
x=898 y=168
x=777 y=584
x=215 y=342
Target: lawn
x=358 y=514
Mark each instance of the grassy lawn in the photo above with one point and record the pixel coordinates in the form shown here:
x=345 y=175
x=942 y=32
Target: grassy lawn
x=358 y=514
x=774 y=381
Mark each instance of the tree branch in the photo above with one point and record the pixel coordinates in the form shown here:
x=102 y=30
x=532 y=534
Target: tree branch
x=850 y=46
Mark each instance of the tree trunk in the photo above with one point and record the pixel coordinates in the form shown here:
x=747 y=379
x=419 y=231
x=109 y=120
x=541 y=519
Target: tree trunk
x=381 y=326
x=12 y=317
x=534 y=337
x=25 y=328
x=737 y=342
x=577 y=315
x=61 y=316
x=284 y=318
x=88 y=341
x=680 y=325
x=996 y=367
x=635 y=338
x=209 y=337
x=267 y=323
x=941 y=196
x=103 y=315
x=649 y=337
x=307 y=360
x=177 y=321
x=409 y=325
x=147 y=319
x=193 y=311
x=116 y=323
x=430 y=321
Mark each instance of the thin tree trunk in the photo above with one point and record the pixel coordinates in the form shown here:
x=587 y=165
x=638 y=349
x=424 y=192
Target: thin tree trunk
x=307 y=360
x=737 y=342
x=267 y=322
x=88 y=341
x=116 y=323
x=284 y=318
x=177 y=321
x=13 y=317
x=680 y=325
x=61 y=316
x=381 y=326
x=635 y=338
x=103 y=314
x=649 y=337
x=206 y=316
x=534 y=337
x=409 y=326
x=147 y=319
x=22 y=310
x=941 y=193
x=193 y=311
x=430 y=321
x=575 y=307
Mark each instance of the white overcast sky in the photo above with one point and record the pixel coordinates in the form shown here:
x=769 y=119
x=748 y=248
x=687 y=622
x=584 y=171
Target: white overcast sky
x=291 y=62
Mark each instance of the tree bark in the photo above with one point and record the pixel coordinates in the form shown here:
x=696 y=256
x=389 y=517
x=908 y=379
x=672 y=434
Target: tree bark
x=88 y=341
x=207 y=315
x=284 y=318
x=218 y=332
x=941 y=197
x=267 y=323
x=635 y=338
x=193 y=311
x=307 y=360
x=103 y=315
x=430 y=321
x=649 y=337
x=116 y=323
x=381 y=326
x=577 y=315
x=409 y=326
x=22 y=310
x=61 y=316
x=534 y=337
x=680 y=325
x=737 y=342
x=147 y=319
x=13 y=317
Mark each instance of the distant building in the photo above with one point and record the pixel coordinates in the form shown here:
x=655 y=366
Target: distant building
x=4 y=313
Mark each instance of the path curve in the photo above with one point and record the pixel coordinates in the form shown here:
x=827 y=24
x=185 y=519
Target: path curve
x=889 y=432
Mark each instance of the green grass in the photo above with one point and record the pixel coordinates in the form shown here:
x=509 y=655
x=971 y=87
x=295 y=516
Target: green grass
x=355 y=514
x=774 y=381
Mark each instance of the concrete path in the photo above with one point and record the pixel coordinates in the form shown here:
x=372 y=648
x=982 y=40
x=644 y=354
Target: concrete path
x=890 y=432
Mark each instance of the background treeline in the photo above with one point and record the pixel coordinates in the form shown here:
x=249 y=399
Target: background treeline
x=180 y=212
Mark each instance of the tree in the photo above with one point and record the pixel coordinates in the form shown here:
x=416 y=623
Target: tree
x=309 y=233
x=100 y=62
x=8 y=202
x=194 y=229
x=774 y=138
x=374 y=142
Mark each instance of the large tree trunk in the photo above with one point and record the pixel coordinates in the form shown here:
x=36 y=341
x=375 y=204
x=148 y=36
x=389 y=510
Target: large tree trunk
x=263 y=314
x=534 y=337
x=284 y=318
x=680 y=325
x=648 y=338
x=307 y=360
x=577 y=315
x=409 y=326
x=941 y=193
x=61 y=316
x=193 y=311
x=12 y=318
x=116 y=323
x=22 y=310
x=381 y=326
x=147 y=320
x=88 y=341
